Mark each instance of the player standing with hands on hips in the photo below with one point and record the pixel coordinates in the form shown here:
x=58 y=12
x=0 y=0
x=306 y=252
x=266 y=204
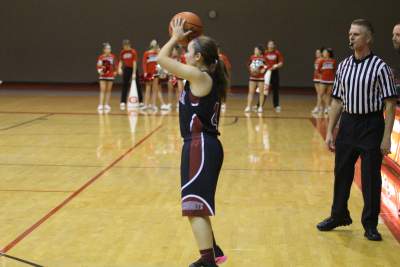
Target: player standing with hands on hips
x=202 y=152
x=362 y=91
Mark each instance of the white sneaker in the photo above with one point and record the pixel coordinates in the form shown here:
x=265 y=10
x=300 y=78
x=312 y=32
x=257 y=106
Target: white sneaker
x=100 y=108
x=278 y=109
x=164 y=107
x=260 y=110
x=107 y=108
x=154 y=108
x=326 y=110
x=223 y=107
x=247 y=109
x=316 y=110
x=122 y=106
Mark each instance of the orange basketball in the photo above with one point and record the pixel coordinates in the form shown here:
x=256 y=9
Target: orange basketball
x=192 y=23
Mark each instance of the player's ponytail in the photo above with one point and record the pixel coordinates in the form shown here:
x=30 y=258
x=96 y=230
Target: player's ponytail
x=208 y=49
x=220 y=78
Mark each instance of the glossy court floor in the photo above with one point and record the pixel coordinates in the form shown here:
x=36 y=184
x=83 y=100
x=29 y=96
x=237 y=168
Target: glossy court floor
x=82 y=189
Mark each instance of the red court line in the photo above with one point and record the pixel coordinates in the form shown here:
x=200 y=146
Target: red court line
x=73 y=195
x=385 y=214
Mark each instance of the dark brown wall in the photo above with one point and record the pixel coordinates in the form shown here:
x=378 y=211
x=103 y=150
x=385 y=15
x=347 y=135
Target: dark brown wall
x=58 y=41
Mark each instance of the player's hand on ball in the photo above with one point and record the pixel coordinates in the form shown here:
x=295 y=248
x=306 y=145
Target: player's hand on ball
x=177 y=29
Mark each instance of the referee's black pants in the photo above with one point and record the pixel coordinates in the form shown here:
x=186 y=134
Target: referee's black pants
x=359 y=136
x=126 y=83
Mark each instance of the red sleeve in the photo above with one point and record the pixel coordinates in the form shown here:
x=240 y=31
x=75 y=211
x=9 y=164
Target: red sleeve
x=280 y=57
x=144 y=62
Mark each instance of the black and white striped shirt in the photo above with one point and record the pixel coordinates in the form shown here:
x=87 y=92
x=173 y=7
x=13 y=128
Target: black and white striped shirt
x=362 y=85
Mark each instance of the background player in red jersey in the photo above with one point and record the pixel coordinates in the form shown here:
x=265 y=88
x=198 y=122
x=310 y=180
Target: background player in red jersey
x=327 y=69
x=257 y=67
x=228 y=69
x=274 y=61
x=317 y=81
x=202 y=153
x=149 y=64
x=107 y=69
x=127 y=68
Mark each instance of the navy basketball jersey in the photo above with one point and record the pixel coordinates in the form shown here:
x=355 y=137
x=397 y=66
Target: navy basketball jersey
x=199 y=114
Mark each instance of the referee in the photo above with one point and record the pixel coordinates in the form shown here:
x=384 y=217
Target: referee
x=363 y=89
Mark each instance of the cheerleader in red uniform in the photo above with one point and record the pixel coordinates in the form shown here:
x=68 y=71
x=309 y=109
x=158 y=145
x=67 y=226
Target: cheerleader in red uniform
x=317 y=81
x=107 y=69
x=327 y=69
x=149 y=64
x=257 y=67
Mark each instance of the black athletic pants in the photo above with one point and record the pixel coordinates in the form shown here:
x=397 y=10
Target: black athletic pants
x=139 y=87
x=126 y=83
x=359 y=135
x=275 y=87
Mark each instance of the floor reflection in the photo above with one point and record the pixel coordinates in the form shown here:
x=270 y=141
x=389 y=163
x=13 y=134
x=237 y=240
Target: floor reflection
x=258 y=138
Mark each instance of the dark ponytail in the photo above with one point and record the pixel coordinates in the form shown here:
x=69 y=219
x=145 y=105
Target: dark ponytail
x=208 y=49
x=220 y=77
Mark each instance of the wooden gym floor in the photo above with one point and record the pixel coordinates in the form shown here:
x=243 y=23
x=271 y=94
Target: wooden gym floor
x=82 y=189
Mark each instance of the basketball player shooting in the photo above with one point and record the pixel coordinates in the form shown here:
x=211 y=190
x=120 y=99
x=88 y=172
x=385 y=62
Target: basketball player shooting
x=199 y=109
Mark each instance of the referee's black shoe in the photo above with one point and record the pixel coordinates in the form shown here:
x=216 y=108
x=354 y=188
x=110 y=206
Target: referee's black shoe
x=331 y=223
x=200 y=263
x=372 y=234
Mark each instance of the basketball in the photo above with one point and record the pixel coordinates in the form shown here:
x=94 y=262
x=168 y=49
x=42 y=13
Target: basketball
x=192 y=23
